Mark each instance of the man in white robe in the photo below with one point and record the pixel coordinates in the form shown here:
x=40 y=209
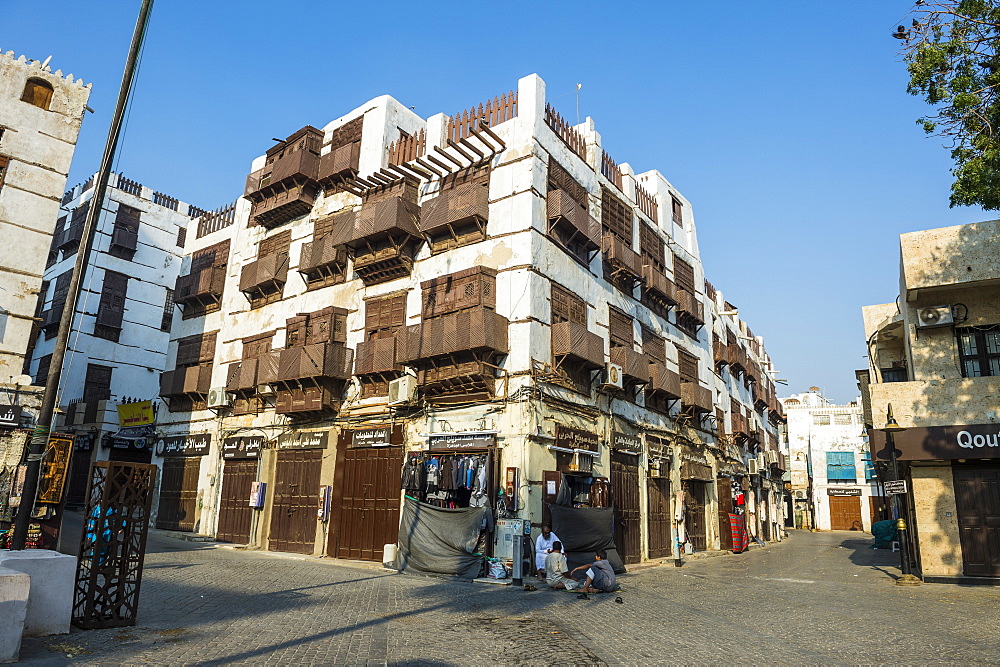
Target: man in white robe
x=543 y=545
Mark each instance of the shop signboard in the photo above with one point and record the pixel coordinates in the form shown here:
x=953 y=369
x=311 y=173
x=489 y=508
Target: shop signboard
x=139 y=413
x=304 y=440
x=132 y=437
x=242 y=447
x=10 y=416
x=575 y=438
x=624 y=441
x=830 y=491
x=695 y=464
x=372 y=437
x=463 y=440
x=194 y=444
x=55 y=468
x=968 y=441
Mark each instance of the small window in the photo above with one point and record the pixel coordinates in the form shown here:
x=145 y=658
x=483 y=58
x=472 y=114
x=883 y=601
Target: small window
x=168 y=311
x=4 y=162
x=38 y=93
x=821 y=420
x=979 y=351
x=893 y=375
x=181 y=236
x=677 y=211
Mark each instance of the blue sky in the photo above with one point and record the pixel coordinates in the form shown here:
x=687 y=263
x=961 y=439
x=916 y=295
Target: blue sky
x=786 y=123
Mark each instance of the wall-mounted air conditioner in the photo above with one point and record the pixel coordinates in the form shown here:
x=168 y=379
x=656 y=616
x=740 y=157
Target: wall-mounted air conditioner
x=402 y=390
x=612 y=377
x=935 y=316
x=219 y=398
x=265 y=390
x=753 y=467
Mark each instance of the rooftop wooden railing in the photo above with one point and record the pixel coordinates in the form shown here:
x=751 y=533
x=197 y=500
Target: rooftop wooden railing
x=216 y=220
x=646 y=201
x=496 y=111
x=408 y=147
x=566 y=132
x=610 y=169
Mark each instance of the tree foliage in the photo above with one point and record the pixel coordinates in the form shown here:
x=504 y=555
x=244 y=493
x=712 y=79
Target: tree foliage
x=951 y=52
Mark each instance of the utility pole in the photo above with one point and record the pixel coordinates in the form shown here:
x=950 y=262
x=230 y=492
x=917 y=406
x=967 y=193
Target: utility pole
x=40 y=436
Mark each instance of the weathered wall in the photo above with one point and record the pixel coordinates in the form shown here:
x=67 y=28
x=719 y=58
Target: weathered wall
x=951 y=255
x=937 y=520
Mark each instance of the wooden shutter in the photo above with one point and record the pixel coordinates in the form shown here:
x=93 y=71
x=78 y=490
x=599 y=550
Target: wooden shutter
x=168 y=311
x=111 y=309
x=61 y=290
x=347 y=133
x=620 y=326
x=181 y=236
x=567 y=307
x=384 y=316
x=654 y=346
x=677 y=211
x=4 y=163
x=79 y=214
x=254 y=347
x=273 y=245
x=127 y=218
x=687 y=364
x=213 y=255
x=42 y=374
x=559 y=179
x=684 y=275
x=616 y=217
x=652 y=246
x=323 y=226
x=37 y=93
x=97 y=385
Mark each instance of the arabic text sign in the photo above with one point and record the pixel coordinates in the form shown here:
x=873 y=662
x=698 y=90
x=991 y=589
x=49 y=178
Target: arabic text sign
x=10 y=416
x=896 y=488
x=242 y=447
x=196 y=444
x=462 y=441
x=135 y=414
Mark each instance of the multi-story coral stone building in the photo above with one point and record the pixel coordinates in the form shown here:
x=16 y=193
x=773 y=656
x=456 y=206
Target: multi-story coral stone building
x=490 y=290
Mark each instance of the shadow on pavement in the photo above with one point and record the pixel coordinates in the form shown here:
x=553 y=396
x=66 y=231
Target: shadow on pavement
x=862 y=554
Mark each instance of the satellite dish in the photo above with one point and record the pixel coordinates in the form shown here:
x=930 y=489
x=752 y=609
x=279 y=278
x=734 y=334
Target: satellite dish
x=816 y=389
x=22 y=380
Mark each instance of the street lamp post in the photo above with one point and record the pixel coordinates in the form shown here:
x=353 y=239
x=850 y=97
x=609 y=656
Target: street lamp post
x=906 y=578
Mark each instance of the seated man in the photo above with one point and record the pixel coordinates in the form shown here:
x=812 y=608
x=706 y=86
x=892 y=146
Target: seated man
x=556 y=574
x=600 y=575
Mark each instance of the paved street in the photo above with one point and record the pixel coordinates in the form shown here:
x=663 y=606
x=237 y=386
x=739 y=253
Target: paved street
x=816 y=598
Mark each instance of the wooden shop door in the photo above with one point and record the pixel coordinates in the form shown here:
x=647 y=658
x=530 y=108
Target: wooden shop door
x=977 y=496
x=625 y=497
x=178 y=493
x=658 y=516
x=235 y=513
x=365 y=502
x=845 y=512
x=724 y=489
x=694 y=518
x=295 y=500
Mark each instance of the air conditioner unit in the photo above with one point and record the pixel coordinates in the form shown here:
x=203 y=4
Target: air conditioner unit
x=935 y=316
x=265 y=390
x=219 y=398
x=800 y=495
x=753 y=467
x=402 y=390
x=613 y=377
x=760 y=461
x=771 y=457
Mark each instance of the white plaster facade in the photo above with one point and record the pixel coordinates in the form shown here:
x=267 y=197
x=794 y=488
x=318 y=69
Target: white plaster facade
x=36 y=148
x=815 y=427
x=527 y=406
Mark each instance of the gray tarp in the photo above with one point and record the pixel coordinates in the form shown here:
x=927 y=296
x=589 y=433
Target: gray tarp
x=584 y=530
x=435 y=540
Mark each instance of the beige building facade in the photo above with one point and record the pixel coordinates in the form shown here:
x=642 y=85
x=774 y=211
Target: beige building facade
x=489 y=289
x=40 y=116
x=935 y=359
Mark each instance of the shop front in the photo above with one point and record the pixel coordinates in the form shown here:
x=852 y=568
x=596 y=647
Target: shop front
x=364 y=513
x=296 y=494
x=730 y=500
x=182 y=457
x=133 y=444
x=659 y=518
x=240 y=462
x=696 y=476
x=952 y=474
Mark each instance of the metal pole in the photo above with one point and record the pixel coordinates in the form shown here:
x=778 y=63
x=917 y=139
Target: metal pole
x=516 y=571
x=904 y=546
x=40 y=437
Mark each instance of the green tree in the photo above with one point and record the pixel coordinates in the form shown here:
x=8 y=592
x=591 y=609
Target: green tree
x=951 y=52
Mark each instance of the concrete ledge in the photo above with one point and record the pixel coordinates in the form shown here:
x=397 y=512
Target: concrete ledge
x=50 y=603
x=962 y=580
x=14 y=591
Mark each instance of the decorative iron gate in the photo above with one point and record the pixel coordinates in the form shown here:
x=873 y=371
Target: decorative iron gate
x=366 y=502
x=625 y=497
x=235 y=514
x=178 y=493
x=296 y=497
x=113 y=544
x=658 y=517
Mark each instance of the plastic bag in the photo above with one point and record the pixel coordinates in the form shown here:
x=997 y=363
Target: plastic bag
x=497 y=570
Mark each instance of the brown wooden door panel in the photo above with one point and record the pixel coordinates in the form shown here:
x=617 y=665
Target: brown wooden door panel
x=625 y=496
x=295 y=499
x=845 y=512
x=658 y=517
x=977 y=496
x=235 y=514
x=724 y=489
x=178 y=493
x=694 y=517
x=368 y=502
